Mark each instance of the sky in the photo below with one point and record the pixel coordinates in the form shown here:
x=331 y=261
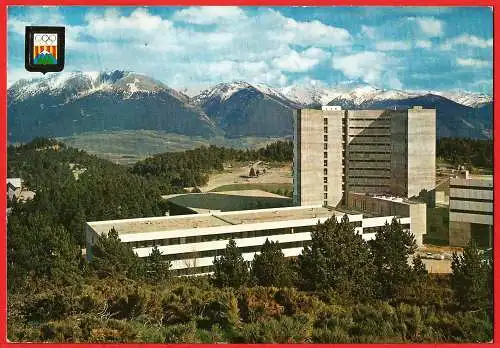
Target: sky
x=191 y=48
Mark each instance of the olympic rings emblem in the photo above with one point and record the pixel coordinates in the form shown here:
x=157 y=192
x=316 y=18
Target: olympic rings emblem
x=48 y=39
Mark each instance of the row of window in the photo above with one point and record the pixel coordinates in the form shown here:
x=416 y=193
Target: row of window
x=370 y=127
x=371 y=152
x=471 y=199
x=371 y=169
x=481 y=188
x=220 y=236
x=369 y=119
x=192 y=256
x=475 y=212
x=369 y=176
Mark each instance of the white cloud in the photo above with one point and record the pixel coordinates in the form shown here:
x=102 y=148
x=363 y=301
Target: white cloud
x=210 y=14
x=471 y=62
x=429 y=26
x=392 y=46
x=467 y=40
x=371 y=67
x=369 y=32
x=300 y=62
x=423 y=44
x=310 y=33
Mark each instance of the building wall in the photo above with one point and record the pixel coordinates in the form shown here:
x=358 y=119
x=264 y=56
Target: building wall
x=368 y=151
x=421 y=150
x=382 y=151
x=333 y=143
x=417 y=212
x=399 y=153
x=193 y=250
x=418 y=216
x=471 y=204
x=297 y=167
x=309 y=156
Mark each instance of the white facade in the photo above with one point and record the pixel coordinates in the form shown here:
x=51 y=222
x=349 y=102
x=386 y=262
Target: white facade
x=192 y=249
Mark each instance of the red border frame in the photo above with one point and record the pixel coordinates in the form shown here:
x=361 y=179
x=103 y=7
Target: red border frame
x=3 y=133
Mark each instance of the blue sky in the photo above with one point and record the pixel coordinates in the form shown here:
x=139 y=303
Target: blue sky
x=411 y=48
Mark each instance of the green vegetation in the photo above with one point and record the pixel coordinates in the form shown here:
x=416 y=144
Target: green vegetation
x=191 y=168
x=271 y=268
x=340 y=289
x=469 y=152
x=230 y=306
x=472 y=279
x=129 y=146
x=230 y=269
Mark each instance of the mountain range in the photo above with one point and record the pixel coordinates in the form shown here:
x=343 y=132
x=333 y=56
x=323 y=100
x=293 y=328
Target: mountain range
x=67 y=104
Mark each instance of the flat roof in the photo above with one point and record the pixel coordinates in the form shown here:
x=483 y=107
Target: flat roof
x=271 y=215
x=154 y=224
x=214 y=219
x=390 y=198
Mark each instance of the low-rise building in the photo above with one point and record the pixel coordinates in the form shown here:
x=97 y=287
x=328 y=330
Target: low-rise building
x=393 y=206
x=471 y=210
x=191 y=242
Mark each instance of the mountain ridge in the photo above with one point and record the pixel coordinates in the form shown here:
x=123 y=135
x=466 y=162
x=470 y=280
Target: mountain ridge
x=70 y=103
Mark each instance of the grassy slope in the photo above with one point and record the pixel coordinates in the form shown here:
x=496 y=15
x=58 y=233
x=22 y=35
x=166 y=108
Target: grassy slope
x=130 y=146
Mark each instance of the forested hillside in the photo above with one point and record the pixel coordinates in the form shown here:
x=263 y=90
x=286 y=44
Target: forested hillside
x=341 y=289
x=463 y=151
x=191 y=168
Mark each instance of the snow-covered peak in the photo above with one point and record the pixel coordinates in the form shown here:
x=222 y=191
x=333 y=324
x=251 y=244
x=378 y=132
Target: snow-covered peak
x=309 y=94
x=466 y=98
x=78 y=84
x=316 y=94
x=223 y=91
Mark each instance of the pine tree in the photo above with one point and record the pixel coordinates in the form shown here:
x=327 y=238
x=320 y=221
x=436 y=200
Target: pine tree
x=156 y=267
x=419 y=270
x=270 y=267
x=391 y=249
x=338 y=259
x=111 y=257
x=230 y=269
x=471 y=279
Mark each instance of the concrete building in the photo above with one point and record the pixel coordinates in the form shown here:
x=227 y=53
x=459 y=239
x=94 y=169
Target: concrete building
x=471 y=210
x=392 y=206
x=365 y=151
x=192 y=241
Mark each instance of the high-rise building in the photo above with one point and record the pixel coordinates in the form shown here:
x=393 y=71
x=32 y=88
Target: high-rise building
x=364 y=151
